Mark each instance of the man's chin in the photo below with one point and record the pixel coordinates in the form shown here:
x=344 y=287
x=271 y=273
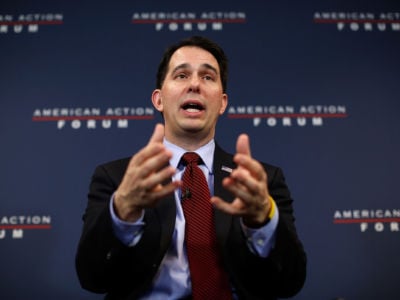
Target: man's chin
x=192 y=125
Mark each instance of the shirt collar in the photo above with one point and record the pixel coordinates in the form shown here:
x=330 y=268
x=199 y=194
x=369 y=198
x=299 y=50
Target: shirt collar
x=206 y=153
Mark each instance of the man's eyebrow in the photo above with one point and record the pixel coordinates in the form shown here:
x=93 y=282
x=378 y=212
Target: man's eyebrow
x=210 y=67
x=186 y=66
x=179 y=67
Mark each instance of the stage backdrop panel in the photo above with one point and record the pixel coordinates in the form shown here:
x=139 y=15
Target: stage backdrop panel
x=314 y=84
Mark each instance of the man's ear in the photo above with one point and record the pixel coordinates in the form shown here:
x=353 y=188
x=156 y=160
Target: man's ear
x=157 y=101
x=224 y=103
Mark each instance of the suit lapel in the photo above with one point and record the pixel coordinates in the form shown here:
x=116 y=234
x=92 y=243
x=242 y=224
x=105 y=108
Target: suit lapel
x=223 y=164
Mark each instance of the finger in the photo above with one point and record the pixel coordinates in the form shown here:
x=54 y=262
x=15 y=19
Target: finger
x=243 y=157
x=248 y=167
x=150 y=155
x=234 y=208
x=154 y=179
x=158 y=134
x=243 y=144
x=238 y=189
x=162 y=191
x=221 y=204
x=249 y=194
x=153 y=147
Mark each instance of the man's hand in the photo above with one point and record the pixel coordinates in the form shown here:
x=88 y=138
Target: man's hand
x=248 y=182
x=141 y=185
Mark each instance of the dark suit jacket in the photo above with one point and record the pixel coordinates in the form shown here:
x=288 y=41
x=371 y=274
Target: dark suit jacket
x=105 y=265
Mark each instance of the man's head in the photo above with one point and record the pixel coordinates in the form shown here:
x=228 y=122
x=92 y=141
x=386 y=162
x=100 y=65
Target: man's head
x=191 y=91
x=200 y=42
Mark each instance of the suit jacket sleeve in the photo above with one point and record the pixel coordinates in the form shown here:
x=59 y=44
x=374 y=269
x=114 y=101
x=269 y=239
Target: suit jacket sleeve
x=103 y=263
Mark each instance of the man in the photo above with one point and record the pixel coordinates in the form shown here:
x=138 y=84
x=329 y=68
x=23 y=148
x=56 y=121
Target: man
x=134 y=243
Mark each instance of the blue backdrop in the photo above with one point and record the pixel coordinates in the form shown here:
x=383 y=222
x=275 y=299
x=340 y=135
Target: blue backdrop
x=316 y=85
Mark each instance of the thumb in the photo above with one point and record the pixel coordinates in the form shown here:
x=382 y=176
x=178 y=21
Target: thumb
x=243 y=144
x=158 y=134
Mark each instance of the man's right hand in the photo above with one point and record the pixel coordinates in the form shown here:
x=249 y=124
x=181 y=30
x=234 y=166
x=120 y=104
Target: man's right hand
x=142 y=185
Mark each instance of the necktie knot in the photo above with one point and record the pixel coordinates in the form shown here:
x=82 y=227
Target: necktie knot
x=191 y=157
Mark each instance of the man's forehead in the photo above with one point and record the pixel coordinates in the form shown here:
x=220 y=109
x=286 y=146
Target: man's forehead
x=190 y=57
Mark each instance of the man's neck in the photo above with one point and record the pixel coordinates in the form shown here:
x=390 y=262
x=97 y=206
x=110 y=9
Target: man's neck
x=189 y=142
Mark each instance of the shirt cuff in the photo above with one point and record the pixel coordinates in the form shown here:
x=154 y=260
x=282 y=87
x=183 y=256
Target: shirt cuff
x=129 y=233
x=262 y=240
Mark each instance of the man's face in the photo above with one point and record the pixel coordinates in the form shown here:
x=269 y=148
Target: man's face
x=191 y=97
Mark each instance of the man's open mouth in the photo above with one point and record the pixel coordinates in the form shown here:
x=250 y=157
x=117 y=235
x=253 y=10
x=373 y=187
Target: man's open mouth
x=193 y=107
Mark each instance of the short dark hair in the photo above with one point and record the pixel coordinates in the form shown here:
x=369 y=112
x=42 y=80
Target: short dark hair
x=200 y=42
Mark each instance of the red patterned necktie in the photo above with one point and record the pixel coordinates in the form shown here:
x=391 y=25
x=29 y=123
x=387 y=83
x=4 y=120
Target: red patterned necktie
x=209 y=280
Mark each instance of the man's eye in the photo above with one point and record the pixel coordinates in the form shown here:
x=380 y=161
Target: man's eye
x=208 y=77
x=181 y=76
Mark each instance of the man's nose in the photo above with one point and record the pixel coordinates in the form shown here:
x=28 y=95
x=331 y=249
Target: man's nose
x=194 y=84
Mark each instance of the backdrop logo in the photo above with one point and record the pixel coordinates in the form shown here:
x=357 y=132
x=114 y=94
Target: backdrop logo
x=360 y=21
x=287 y=115
x=14 y=226
x=92 y=117
x=188 y=21
x=376 y=220
x=29 y=23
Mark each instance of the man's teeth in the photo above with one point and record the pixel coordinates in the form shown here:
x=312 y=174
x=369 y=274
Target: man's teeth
x=192 y=108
